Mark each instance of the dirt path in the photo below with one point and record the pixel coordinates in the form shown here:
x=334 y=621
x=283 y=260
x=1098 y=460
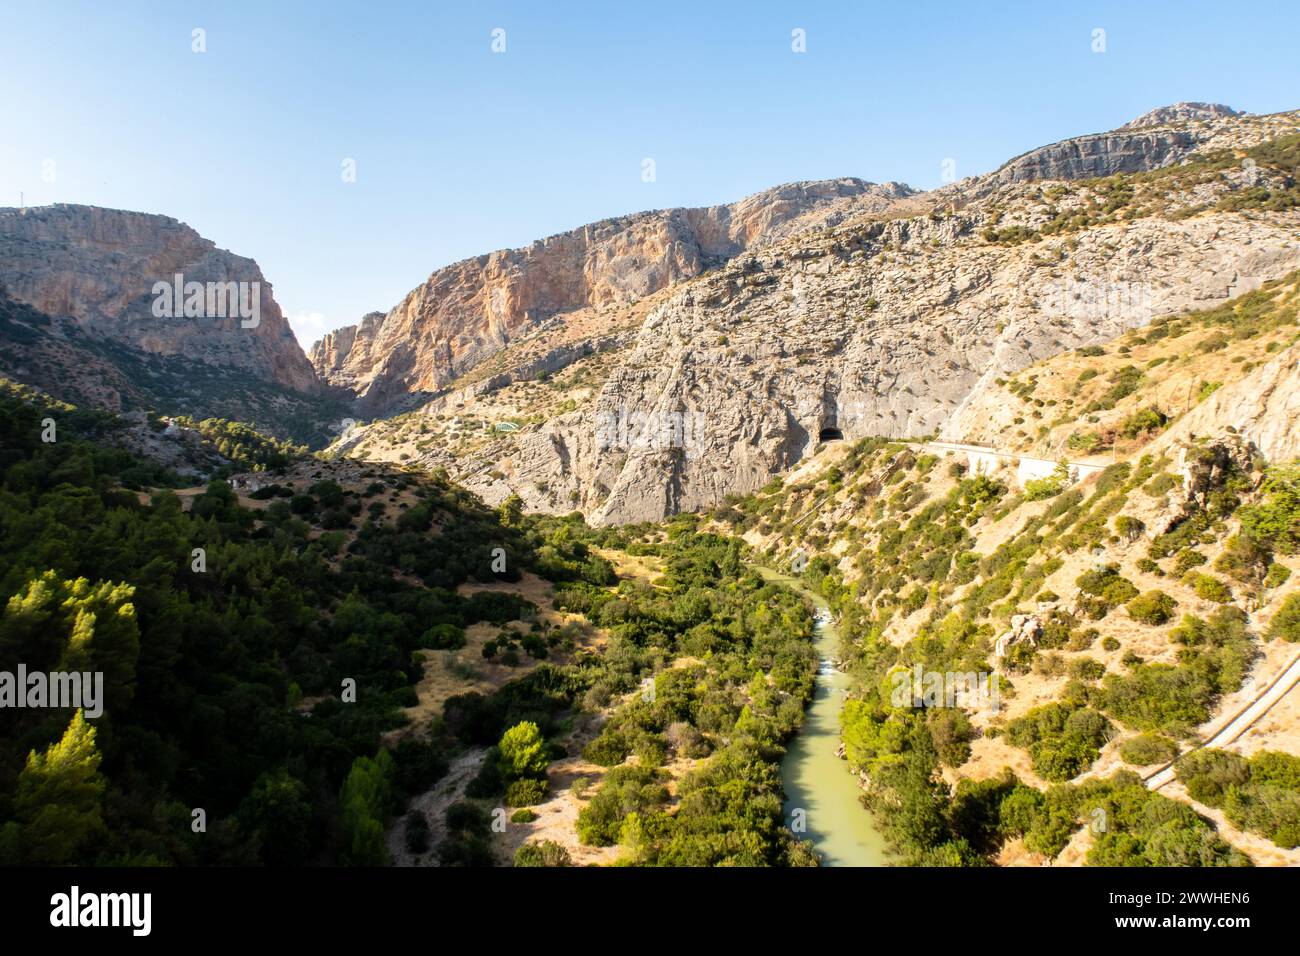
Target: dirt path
x=433 y=804
x=1240 y=722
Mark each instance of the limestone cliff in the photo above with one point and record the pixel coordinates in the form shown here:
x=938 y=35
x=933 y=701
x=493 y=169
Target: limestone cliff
x=470 y=310
x=98 y=268
x=886 y=322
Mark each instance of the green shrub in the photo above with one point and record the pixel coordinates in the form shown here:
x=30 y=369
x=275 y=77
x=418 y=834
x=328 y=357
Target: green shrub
x=523 y=815
x=1151 y=607
x=1210 y=588
x=1146 y=749
x=1103 y=589
x=1062 y=739
x=526 y=792
x=609 y=749
x=1086 y=442
x=523 y=751
x=1275 y=522
x=1086 y=669
x=1036 y=489
x=1142 y=421
x=1286 y=620
x=542 y=853
x=1129 y=528
x=1277 y=575
x=625 y=790
x=1209 y=774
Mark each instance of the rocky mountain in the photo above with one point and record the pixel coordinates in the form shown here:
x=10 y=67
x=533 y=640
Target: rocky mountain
x=466 y=312
x=887 y=321
x=1155 y=139
x=93 y=312
x=98 y=267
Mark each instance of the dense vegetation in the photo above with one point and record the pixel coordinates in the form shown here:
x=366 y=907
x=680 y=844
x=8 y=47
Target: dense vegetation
x=711 y=664
x=250 y=679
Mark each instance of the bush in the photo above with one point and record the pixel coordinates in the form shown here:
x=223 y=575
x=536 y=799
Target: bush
x=1210 y=588
x=1086 y=442
x=1275 y=522
x=523 y=815
x=1277 y=575
x=526 y=792
x=1151 y=607
x=610 y=749
x=1062 y=739
x=523 y=751
x=951 y=731
x=542 y=853
x=1103 y=589
x=1209 y=774
x=626 y=790
x=1286 y=622
x=1129 y=528
x=1037 y=489
x=1146 y=749
x=1142 y=421
x=1086 y=669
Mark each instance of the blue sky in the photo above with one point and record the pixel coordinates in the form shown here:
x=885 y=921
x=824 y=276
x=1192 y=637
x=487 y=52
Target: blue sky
x=460 y=150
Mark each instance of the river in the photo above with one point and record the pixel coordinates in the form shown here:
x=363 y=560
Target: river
x=815 y=780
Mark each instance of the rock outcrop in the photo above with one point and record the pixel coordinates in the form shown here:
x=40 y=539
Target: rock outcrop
x=98 y=268
x=1262 y=411
x=894 y=321
x=1159 y=138
x=468 y=311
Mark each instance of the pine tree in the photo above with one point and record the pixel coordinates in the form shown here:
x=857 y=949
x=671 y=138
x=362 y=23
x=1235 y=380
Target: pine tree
x=59 y=797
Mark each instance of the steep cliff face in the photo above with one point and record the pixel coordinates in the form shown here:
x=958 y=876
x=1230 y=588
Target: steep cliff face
x=1262 y=410
x=774 y=351
x=1159 y=138
x=470 y=310
x=884 y=323
x=98 y=268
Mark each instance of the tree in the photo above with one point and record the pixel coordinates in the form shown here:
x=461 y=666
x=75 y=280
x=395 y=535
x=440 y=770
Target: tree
x=59 y=797
x=511 y=511
x=523 y=751
x=364 y=801
x=277 y=810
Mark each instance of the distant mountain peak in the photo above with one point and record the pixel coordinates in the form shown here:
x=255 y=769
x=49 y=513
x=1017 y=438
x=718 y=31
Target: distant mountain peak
x=1182 y=113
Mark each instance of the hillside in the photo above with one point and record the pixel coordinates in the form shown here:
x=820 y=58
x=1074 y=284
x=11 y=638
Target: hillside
x=79 y=318
x=468 y=311
x=1129 y=616
x=885 y=322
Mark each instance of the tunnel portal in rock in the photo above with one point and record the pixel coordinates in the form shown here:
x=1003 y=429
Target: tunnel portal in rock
x=830 y=434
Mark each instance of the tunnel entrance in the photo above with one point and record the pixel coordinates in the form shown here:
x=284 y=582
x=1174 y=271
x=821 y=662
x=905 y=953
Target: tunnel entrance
x=830 y=434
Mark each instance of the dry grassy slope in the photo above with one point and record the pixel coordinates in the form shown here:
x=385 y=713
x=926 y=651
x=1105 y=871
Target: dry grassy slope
x=848 y=500
x=1079 y=401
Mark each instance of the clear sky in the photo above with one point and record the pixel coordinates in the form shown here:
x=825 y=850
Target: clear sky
x=460 y=150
